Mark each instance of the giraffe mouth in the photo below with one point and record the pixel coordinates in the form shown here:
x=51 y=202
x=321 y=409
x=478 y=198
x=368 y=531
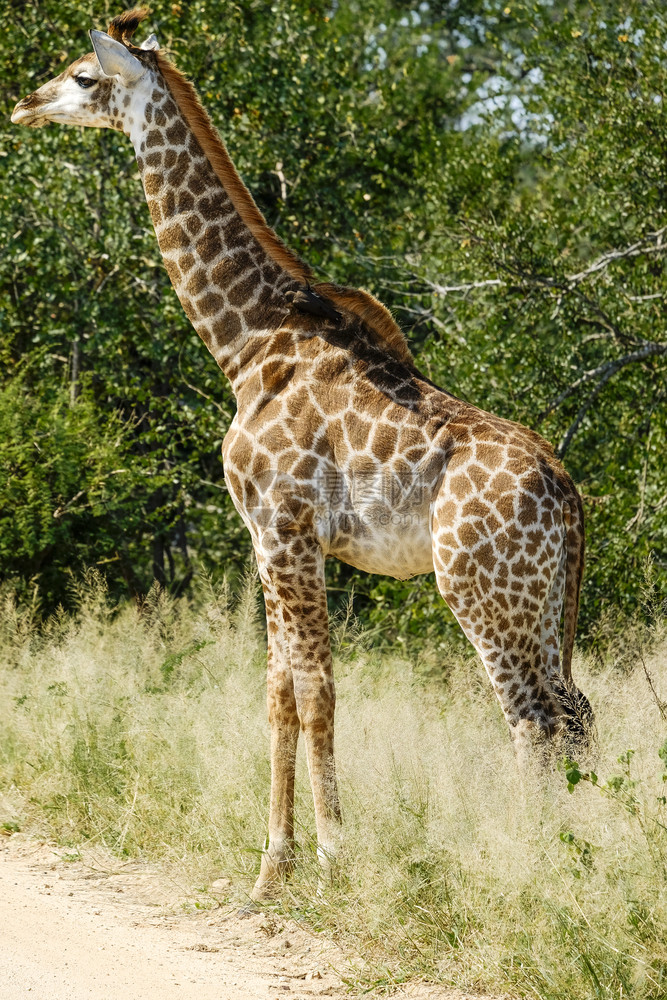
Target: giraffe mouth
x=26 y=113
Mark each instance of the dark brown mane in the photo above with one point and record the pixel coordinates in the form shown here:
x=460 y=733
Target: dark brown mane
x=383 y=327
x=216 y=152
x=372 y=313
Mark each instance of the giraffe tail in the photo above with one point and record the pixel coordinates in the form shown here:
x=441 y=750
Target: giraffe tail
x=579 y=719
x=573 y=516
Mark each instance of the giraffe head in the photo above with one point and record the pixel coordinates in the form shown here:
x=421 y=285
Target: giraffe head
x=99 y=89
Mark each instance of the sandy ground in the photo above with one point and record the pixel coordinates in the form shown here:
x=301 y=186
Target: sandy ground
x=101 y=930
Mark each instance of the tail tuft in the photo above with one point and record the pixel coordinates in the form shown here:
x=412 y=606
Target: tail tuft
x=579 y=732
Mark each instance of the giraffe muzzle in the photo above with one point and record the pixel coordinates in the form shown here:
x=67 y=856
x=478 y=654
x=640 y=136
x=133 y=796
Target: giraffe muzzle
x=27 y=113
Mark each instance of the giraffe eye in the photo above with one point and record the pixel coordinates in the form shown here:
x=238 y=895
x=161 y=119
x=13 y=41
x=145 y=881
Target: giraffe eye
x=85 y=81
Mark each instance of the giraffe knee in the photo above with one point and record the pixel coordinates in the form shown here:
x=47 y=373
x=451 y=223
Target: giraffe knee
x=315 y=702
x=317 y=722
x=281 y=702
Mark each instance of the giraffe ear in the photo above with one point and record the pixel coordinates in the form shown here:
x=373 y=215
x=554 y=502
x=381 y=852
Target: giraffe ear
x=151 y=44
x=114 y=58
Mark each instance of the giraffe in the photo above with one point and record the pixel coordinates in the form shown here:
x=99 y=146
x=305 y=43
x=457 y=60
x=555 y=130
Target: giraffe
x=339 y=446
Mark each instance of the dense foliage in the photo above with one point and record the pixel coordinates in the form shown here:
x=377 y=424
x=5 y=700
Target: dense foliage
x=496 y=173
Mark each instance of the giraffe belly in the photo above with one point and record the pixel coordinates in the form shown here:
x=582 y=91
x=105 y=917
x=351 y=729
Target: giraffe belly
x=397 y=545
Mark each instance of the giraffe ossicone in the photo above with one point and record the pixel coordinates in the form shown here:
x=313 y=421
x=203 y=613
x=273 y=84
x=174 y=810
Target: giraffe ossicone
x=339 y=446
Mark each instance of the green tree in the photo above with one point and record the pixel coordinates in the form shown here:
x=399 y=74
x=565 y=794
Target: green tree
x=537 y=290
x=494 y=171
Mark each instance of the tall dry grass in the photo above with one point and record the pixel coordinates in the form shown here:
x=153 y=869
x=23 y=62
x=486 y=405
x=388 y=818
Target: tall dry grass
x=149 y=736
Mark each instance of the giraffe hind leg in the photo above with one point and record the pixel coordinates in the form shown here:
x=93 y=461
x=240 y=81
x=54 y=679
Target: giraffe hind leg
x=505 y=586
x=512 y=656
x=576 y=731
x=510 y=644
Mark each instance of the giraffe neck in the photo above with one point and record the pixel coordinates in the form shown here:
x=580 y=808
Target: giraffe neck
x=230 y=286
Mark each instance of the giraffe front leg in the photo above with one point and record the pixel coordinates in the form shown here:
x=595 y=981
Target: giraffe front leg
x=298 y=626
x=316 y=700
x=278 y=857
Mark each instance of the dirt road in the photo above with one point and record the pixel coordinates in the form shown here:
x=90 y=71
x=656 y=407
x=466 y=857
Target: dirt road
x=92 y=931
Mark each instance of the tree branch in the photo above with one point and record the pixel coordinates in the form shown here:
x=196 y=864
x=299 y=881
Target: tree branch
x=651 y=243
x=608 y=370
x=465 y=287
x=199 y=391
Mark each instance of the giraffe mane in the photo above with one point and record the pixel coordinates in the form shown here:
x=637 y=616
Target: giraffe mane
x=215 y=150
